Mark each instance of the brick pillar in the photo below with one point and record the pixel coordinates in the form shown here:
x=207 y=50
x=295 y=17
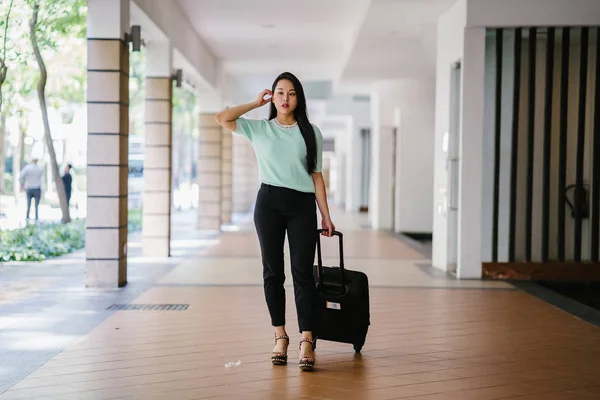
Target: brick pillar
x=245 y=175
x=239 y=171
x=226 y=176
x=107 y=154
x=253 y=182
x=156 y=220
x=209 y=173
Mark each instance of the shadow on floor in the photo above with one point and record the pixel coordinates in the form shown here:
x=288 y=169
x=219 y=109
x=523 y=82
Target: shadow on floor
x=587 y=293
x=579 y=299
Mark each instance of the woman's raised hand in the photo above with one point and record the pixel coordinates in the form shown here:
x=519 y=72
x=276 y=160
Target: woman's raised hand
x=261 y=101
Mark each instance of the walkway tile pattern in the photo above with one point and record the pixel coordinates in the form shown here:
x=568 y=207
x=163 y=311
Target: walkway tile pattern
x=423 y=344
x=431 y=338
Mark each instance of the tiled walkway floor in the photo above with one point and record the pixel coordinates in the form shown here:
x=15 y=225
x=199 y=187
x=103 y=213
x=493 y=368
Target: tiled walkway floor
x=430 y=338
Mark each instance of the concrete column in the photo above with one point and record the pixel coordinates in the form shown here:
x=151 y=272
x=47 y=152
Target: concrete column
x=156 y=221
x=470 y=175
x=108 y=122
x=414 y=157
x=245 y=175
x=239 y=167
x=341 y=137
x=209 y=173
x=382 y=115
x=450 y=39
x=354 y=167
x=253 y=181
x=403 y=117
x=226 y=176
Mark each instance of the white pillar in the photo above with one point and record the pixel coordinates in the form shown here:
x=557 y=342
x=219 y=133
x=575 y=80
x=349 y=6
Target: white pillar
x=414 y=156
x=226 y=176
x=470 y=196
x=239 y=169
x=354 y=166
x=403 y=134
x=156 y=221
x=450 y=46
x=380 y=201
x=245 y=180
x=245 y=175
x=209 y=173
x=341 y=159
x=108 y=123
x=254 y=182
x=457 y=42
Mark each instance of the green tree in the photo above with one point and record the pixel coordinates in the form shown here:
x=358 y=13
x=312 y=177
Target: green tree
x=20 y=89
x=3 y=66
x=50 y=22
x=3 y=72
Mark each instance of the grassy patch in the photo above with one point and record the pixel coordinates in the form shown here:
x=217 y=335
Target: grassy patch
x=37 y=242
x=40 y=241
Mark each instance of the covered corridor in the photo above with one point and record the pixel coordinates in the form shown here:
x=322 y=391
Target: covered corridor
x=423 y=138
x=426 y=126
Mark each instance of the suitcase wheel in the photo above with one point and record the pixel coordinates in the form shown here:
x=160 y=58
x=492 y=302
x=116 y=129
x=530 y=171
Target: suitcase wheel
x=357 y=348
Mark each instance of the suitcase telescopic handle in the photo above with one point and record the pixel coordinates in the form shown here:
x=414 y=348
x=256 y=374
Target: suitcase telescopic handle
x=320 y=260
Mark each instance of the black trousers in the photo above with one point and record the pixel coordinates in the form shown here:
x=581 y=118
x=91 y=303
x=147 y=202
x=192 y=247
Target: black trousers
x=33 y=194
x=279 y=210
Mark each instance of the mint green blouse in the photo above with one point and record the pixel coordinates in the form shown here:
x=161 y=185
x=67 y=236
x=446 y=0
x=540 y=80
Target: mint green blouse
x=281 y=152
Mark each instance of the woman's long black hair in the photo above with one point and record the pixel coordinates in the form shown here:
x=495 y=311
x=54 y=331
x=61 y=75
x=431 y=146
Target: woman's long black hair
x=301 y=117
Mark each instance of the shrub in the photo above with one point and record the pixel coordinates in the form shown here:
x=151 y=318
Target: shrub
x=37 y=242
x=134 y=220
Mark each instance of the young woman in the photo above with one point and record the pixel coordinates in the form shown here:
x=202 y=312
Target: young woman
x=289 y=150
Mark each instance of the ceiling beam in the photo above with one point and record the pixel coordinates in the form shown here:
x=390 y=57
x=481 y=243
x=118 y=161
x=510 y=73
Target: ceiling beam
x=165 y=20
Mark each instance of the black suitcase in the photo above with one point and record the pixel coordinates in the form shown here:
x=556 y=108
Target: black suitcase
x=343 y=307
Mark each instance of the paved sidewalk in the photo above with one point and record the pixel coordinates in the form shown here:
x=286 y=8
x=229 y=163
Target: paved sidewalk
x=431 y=337
x=45 y=306
x=12 y=215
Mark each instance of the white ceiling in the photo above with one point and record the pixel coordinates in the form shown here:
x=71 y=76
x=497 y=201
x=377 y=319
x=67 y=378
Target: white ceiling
x=350 y=42
x=397 y=40
x=268 y=37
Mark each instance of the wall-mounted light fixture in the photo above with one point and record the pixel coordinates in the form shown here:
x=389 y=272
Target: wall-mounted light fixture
x=135 y=37
x=178 y=78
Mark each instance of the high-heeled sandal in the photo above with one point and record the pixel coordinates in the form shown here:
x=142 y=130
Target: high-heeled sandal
x=307 y=363
x=280 y=358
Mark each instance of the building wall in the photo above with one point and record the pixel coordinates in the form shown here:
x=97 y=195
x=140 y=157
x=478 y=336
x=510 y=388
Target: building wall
x=515 y=13
x=506 y=138
x=414 y=157
x=450 y=49
x=461 y=36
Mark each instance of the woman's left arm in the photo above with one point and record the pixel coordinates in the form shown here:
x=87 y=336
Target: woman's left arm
x=321 y=195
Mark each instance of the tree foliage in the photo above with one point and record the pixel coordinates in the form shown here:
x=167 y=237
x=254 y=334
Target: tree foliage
x=49 y=22
x=61 y=34
x=4 y=42
x=56 y=68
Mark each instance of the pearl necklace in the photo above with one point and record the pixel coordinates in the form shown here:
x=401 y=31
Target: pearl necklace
x=285 y=126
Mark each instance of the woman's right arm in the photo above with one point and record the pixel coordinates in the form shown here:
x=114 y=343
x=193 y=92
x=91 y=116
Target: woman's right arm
x=226 y=118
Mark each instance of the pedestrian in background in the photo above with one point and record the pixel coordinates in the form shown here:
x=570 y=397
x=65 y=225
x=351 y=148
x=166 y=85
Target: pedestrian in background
x=31 y=182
